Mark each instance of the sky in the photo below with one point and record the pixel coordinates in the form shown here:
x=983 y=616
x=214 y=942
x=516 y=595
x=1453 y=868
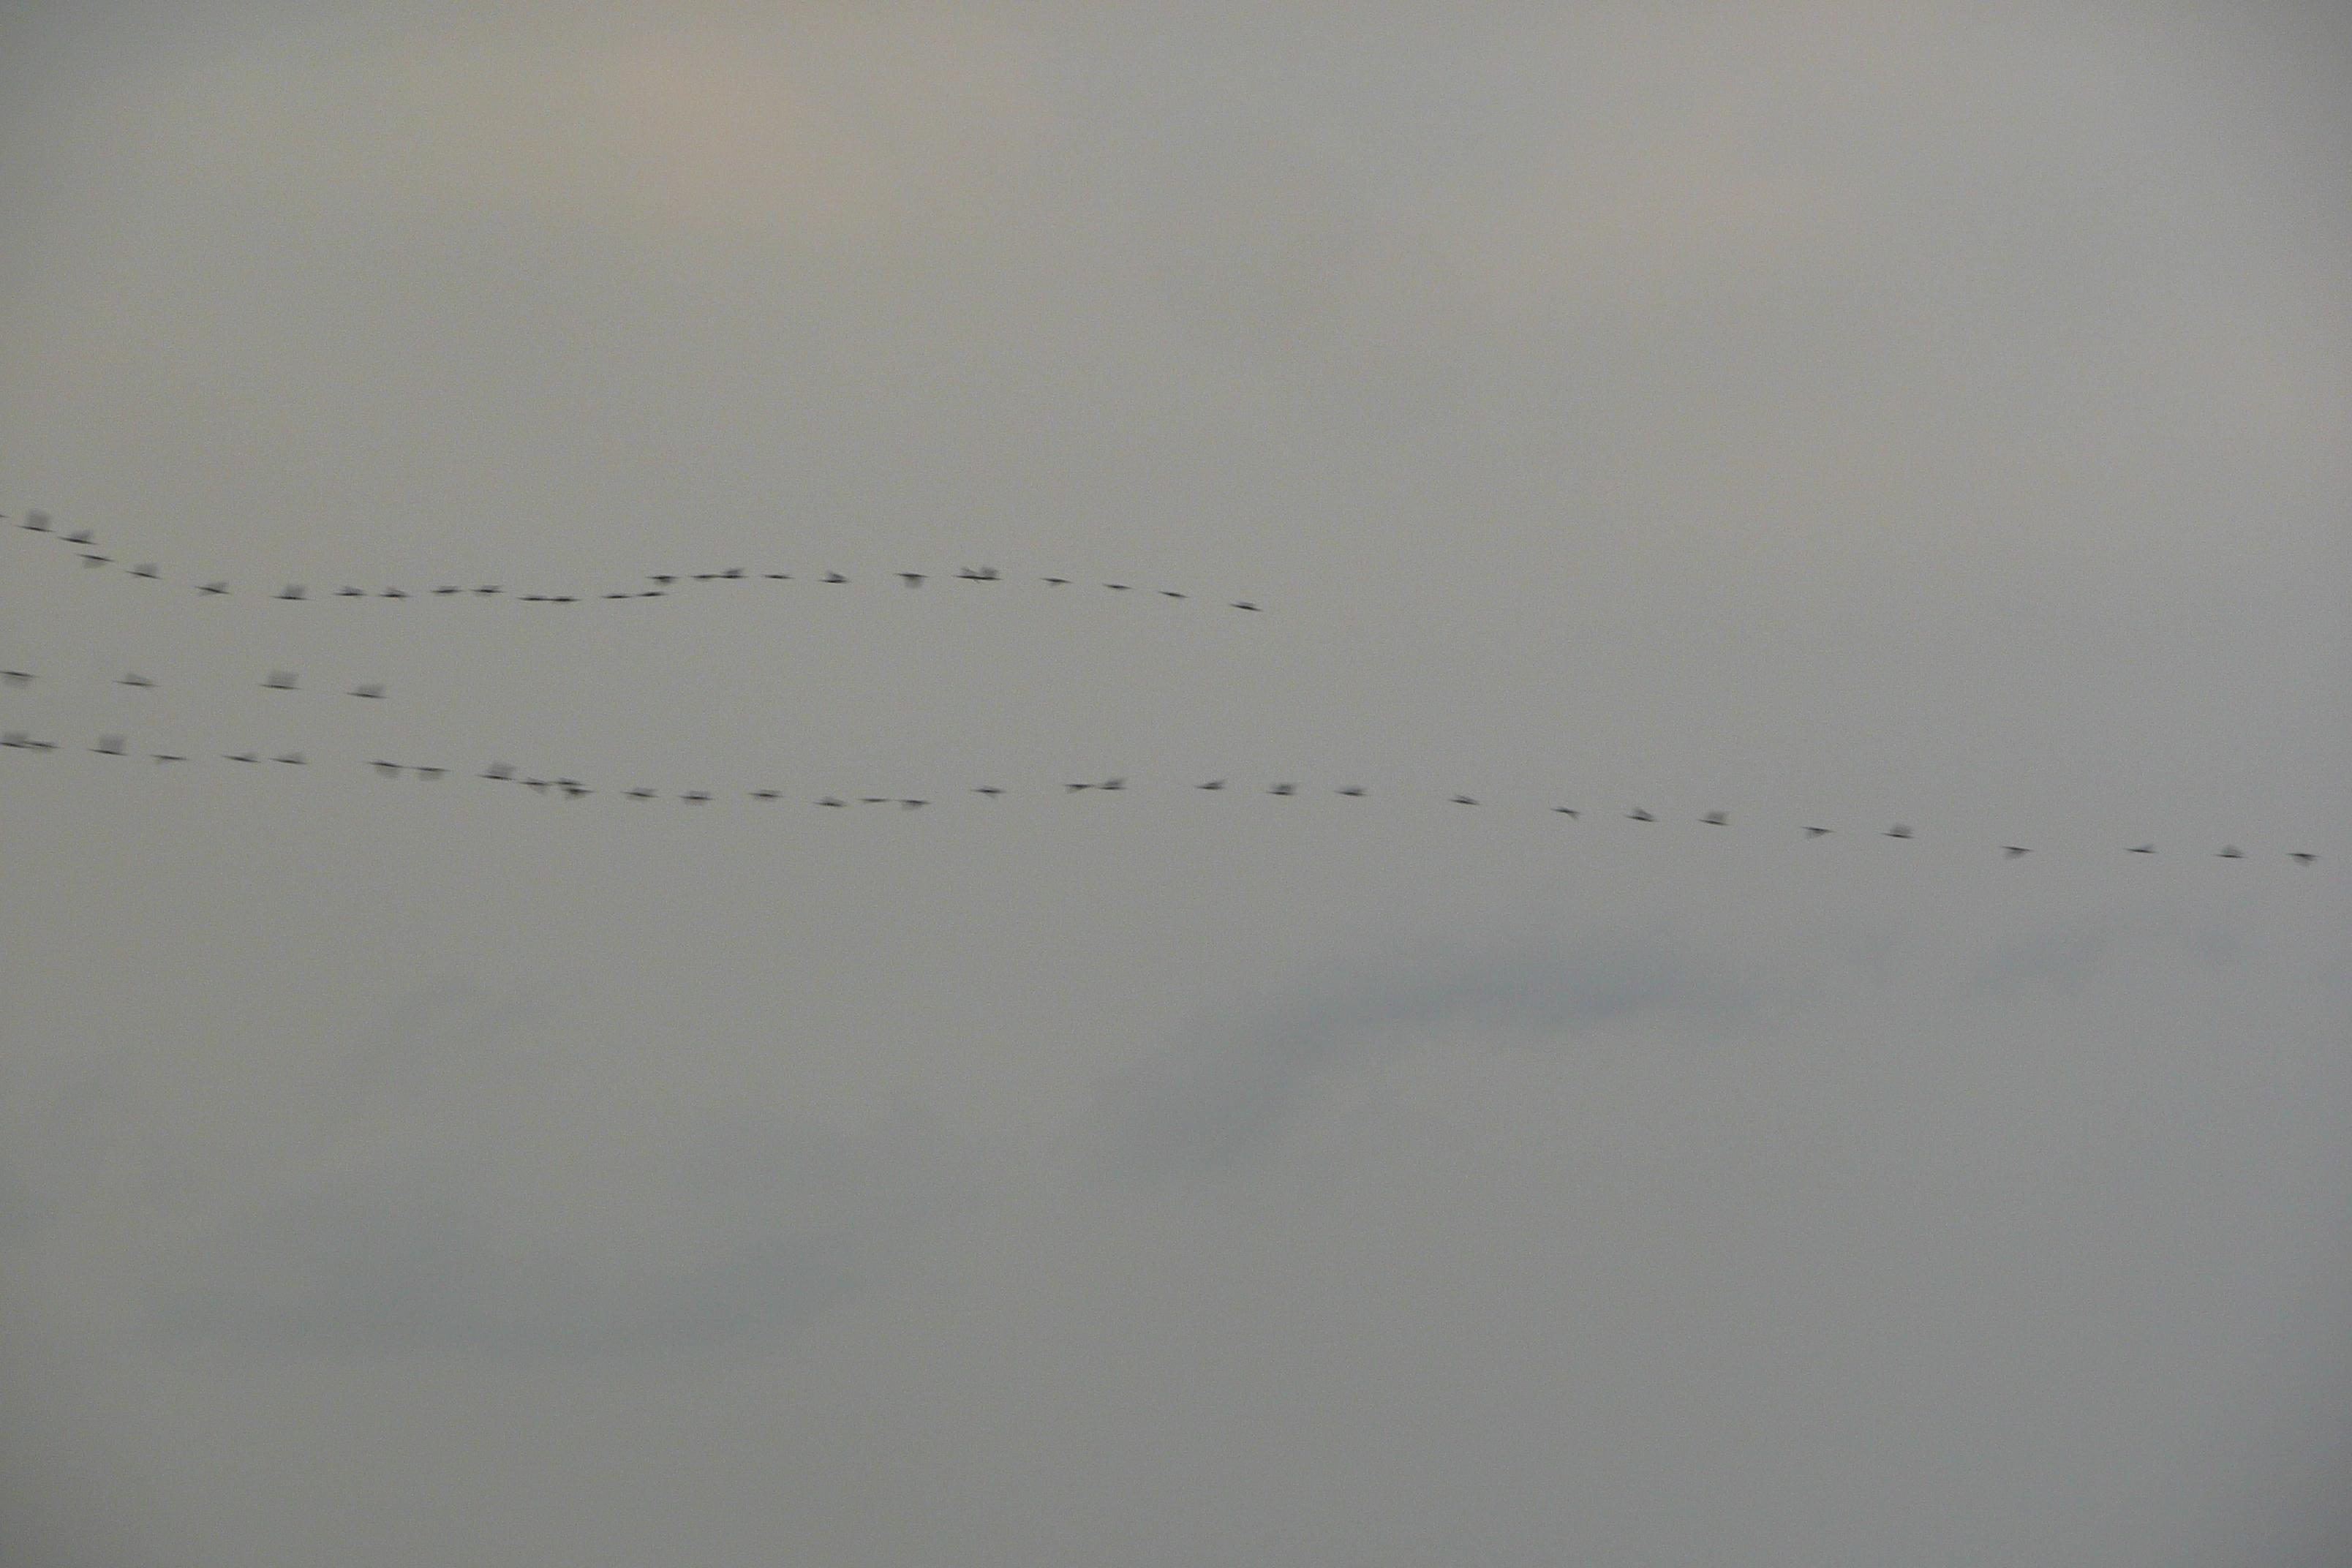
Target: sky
x=1827 y=414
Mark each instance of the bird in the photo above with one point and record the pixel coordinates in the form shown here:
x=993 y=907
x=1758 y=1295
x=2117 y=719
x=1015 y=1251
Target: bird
x=350 y=592
x=16 y=738
x=498 y=771
x=834 y=577
x=1075 y=788
x=447 y=589
x=2141 y=849
x=1055 y=582
x=293 y=759
x=1118 y=587
x=168 y=757
x=640 y=795
x=36 y=521
x=990 y=791
x=979 y=574
x=2014 y=851
x=394 y=594
x=82 y=537
x=616 y=596
x=574 y=789
x=732 y=574
x=912 y=804
x=2301 y=857
x=1283 y=789
x=147 y=569
x=17 y=676
x=912 y=579
x=1354 y=792
x=767 y=795
x=487 y=589
x=1817 y=832
x=704 y=576
x=2230 y=852
x=829 y=800
x=1898 y=831
x=429 y=774
x=92 y=559
x=1170 y=593
x=1463 y=800
x=1112 y=785
x=369 y=692
x=1638 y=815
x=1717 y=819
x=534 y=598
x=1243 y=605
x=779 y=576
x=663 y=579
x=541 y=785
x=280 y=681
x=109 y=746
x=241 y=756
x=291 y=591
x=1569 y=811
x=386 y=770
x=212 y=588
x=873 y=800
x=1212 y=783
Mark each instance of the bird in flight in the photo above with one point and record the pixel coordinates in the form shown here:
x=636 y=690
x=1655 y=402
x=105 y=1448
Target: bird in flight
x=834 y=577
x=990 y=791
x=82 y=537
x=912 y=804
x=1055 y=582
x=17 y=676
x=394 y=594
x=347 y=591
x=293 y=759
x=280 y=681
x=447 y=589
x=2014 y=851
x=1638 y=815
x=1817 y=832
x=92 y=560
x=168 y=757
x=2141 y=849
x=1898 y=831
x=663 y=579
x=767 y=795
x=1212 y=783
x=499 y=771
x=1717 y=819
x=1243 y=605
x=291 y=591
x=2230 y=852
x=429 y=774
x=1112 y=785
x=241 y=756
x=1170 y=593
x=1569 y=811
x=370 y=691
x=829 y=800
x=1463 y=800
x=386 y=770
x=487 y=589
x=37 y=523
x=109 y=746
x=1283 y=789
x=640 y=795
x=1353 y=792
x=2301 y=857
x=912 y=579
x=146 y=570
x=779 y=576
x=695 y=797
x=213 y=588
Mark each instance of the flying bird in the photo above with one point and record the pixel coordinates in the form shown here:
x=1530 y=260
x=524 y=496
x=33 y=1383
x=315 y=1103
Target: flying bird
x=280 y=681
x=912 y=579
x=1112 y=785
x=429 y=774
x=2141 y=849
x=1170 y=593
x=912 y=804
x=386 y=770
x=109 y=746
x=982 y=574
x=767 y=795
x=1638 y=815
x=37 y=523
x=213 y=588
x=829 y=800
x=640 y=795
x=663 y=579
x=351 y=592
x=990 y=791
x=447 y=589
x=1212 y=783
x=147 y=570
x=2014 y=851
x=834 y=577
x=369 y=692
x=1118 y=587
x=2230 y=852
x=16 y=738
x=779 y=576
x=1898 y=831
x=168 y=757
x=1243 y=605
x=2301 y=857
x=241 y=756
x=394 y=594
x=293 y=759
x=1463 y=800
x=1283 y=789
x=1717 y=819
x=873 y=800
x=17 y=676
x=291 y=591
x=91 y=560
x=83 y=537
x=1817 y=832
x=1354 y=792
x=1055 y=582
x=1569 y=811
x=498 y=771
x=575 y=790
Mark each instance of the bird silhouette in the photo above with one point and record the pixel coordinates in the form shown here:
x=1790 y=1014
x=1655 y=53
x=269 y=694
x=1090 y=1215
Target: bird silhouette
x=2230 y=852
x=386 y=770
x=498 y=771
x=293 y=759
x=36 y=522
x=912 y=579
x=394 y=594
x=1638 y=815
x=1283 y=789
x=767 y=795
x=280 y=681
x=430 y=774
x=1118 y=587
x=1212 y=783
x=375 y=693
x=82 y=537
x=447 y=589
x=1569 y=811
x=640 y=795
x=829 y=800
x=147 y=569
x=779 y=576
x=1170 y=593
x=1075 y=788
x=2014 y=851
x=89 y=559
x=663 y=580
x=1817 y=832
x=168 y=757
x=16 y=677
x=1354 y=792
x=1717 y=819
x=212 y=588
x=487 y=589
x=573 y=790
x=16 y=738
x=834 y=577
x=1113 y=785
x=990 y=791
x=1055 y=582
x=291 y=591
x=351 y=592
x=2141 y=849
x=1463 y=800
x=912 y=804
x=1898 y=831
x=109 y=746
x=2301 y=857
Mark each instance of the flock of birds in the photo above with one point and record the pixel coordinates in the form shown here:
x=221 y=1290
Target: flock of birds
x=85 y=542
x=567 y=787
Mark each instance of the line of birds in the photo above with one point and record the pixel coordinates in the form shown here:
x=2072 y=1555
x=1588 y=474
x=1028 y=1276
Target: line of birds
x=86 y=542
x=572 y=788
x=276 y=680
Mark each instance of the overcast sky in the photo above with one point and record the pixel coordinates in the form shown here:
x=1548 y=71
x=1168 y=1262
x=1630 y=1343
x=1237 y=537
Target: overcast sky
x=1827 y=414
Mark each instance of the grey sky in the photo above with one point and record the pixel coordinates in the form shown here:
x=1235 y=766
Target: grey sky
x=1834 y=414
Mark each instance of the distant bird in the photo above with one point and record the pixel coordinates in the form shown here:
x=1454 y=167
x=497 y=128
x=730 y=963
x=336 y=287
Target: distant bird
x=293 y=759
x=16 y=738
x=2230 y=852
x=1118 y=587
x=386 y=770
x=1055 y=582
x=351 y=592
x=1283 y=789
x=487 y=589
x=704 y=576
x=1170 y=593
x=1569 y=811
x=168 y=757
x=148 y=571
x=616 y=596
x=663 y=580
x=990 y=791
x=241 y=756
x=640 y=795
x=16 y=677
x=1212 y=783
x=873 y=800
x=1075 y=788
x=1898 y=831
x=291 y=591
x=280 y=681
x=2014 y=851
x=779 y=576
x=829 y=800
x=1717 y=819
x=912 y=579
x=89 y=559
x=534 y=598
x=652 y=594
x=1112 y=785
x=1638 y=815
x=834 y=577
x=83 y=537
x=541 y=785
x=2301 y=857
x=980 y=575
x=1243 y=605
x=767 y=795
x=732 y=574
x=447 y=589
x=430 y=774
x=213 y=588
x=1817 y=832
x=1463 y=800
x=575 y=790
x=36 y=521
x=393 y=594
x=369 y=692
x=912 y=804
x=1355 y=792
x=2141 y=849
x=109 y=746
x=498 y=771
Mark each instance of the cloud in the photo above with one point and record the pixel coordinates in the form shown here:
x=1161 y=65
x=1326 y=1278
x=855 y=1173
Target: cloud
x=1227 y=1100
